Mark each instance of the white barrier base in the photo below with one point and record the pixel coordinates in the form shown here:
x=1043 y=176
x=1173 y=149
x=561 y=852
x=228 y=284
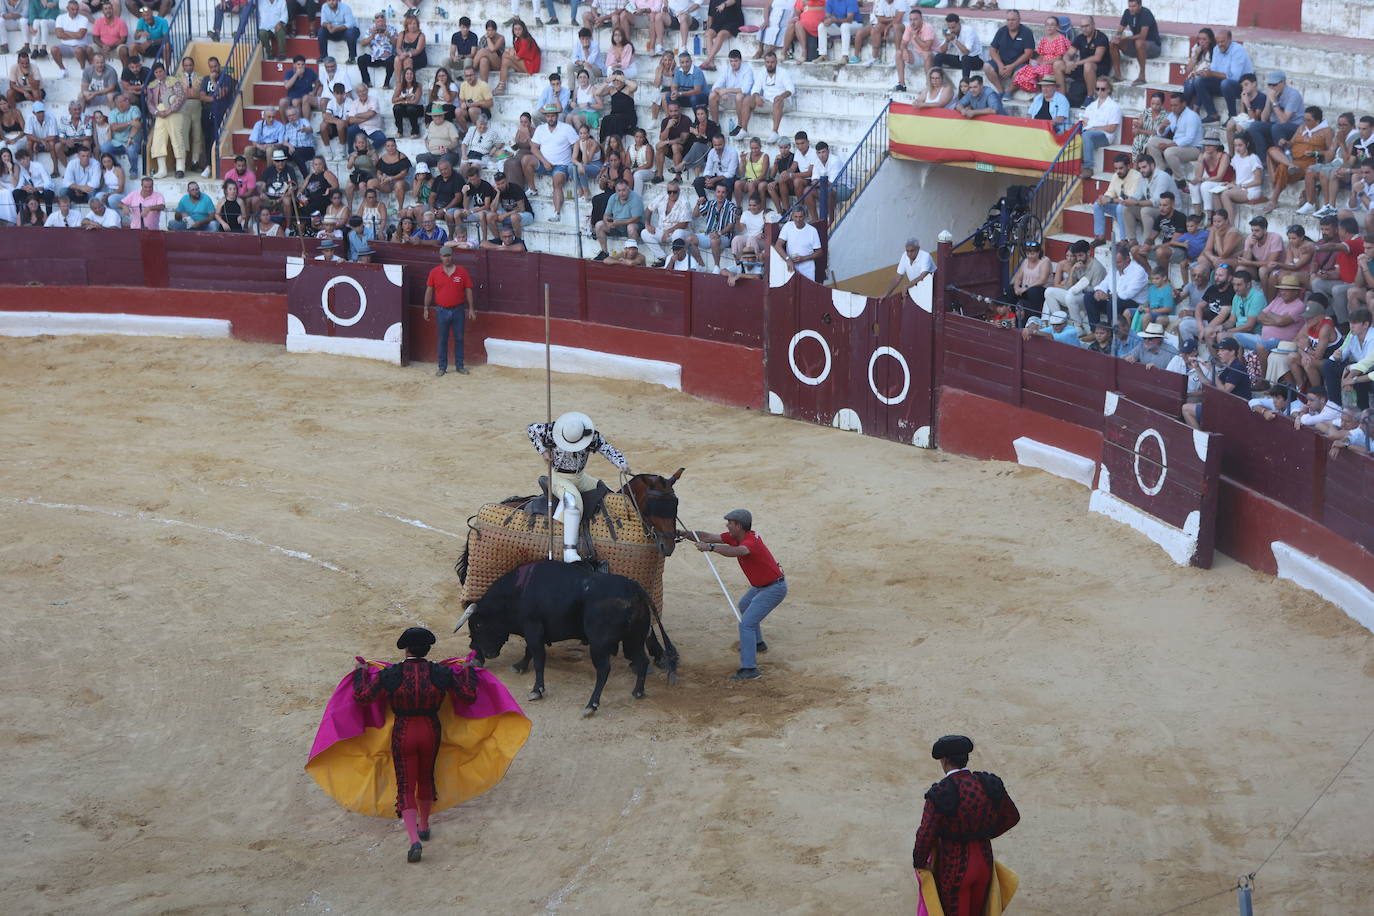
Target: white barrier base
x=1179 y=544
x=387 y=350
x=34 y=324
x=524 y=354
x=1332 y=584
x=1057 y=461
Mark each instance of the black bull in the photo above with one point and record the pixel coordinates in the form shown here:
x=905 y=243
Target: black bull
x=548 y=602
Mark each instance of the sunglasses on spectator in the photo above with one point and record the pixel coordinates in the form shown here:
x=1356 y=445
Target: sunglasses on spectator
x=1103 y=88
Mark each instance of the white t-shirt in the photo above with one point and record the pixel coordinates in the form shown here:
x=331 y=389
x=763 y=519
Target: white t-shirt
x=678 y=7
x=828 y=169
x=923 y=264
x=555 y=143
x=1268 y=404
x=74 y=24
x=810 y=160
x=753 y=223
x=1325 y=415
x=770 y=86
x=107 y=220
x=1246 y=167
x=353 y=108
x=687 y=263
x=326 y=89
x=72 y=220
x=800 y=242
x=889 y=8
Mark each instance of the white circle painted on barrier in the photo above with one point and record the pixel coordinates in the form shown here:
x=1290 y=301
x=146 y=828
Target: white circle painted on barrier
x=792 y=357
x=1163 y=462
x=906 y=375
x=847 y=419
x=362 y=301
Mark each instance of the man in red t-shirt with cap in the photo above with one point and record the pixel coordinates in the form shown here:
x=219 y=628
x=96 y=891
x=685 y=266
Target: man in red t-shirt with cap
x=447 y=288
x=767 y=587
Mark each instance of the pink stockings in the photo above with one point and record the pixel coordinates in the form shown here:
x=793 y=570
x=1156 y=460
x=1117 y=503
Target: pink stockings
x=416 y=821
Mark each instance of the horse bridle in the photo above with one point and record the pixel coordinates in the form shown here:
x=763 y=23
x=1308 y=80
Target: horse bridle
x=657 y=503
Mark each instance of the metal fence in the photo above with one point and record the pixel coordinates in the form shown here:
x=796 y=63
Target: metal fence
x=242 y=53
x=834 y=198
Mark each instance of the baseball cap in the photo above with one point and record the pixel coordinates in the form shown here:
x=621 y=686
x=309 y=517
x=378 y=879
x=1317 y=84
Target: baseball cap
x=1188 y=346
x=1059 y=317
x=631 y=243
x=743 y=516
x=1275 y=77
x=39 y=106
x=446 y=249
x=1230 y=343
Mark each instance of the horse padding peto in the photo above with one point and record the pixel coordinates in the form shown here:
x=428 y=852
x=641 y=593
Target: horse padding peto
x=502 y=537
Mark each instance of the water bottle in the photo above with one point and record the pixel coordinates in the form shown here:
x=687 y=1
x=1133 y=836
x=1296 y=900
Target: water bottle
x=696 y=45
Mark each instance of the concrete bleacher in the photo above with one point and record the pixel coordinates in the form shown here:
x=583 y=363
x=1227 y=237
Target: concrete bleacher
x=835 y=102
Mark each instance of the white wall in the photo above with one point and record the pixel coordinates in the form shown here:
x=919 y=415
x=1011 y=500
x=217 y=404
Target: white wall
x=912 y=198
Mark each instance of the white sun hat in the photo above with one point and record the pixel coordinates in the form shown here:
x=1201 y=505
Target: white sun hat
x=573 y=431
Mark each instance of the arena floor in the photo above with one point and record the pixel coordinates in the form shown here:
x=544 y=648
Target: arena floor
x=201 y=535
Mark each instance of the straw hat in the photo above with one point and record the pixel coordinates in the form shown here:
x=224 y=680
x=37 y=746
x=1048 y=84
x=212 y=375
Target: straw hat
x=1152 y=330
x=1289 y=281
x=573 y=431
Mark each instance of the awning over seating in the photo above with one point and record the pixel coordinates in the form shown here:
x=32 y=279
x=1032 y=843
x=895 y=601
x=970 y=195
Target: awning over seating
x=993 y=142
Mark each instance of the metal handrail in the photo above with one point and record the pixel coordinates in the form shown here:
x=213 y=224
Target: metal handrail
x=178 y=37
x=236 y=64
x=822 y=187
x=1052 y=171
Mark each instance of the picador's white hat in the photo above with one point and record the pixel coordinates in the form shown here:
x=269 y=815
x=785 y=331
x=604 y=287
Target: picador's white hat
x=573 y=431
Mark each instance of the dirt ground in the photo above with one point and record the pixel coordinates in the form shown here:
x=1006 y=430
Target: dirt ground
x=199 y=537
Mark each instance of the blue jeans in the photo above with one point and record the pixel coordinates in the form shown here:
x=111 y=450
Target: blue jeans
x=346 y=35
x=1204 y=90
x=1100 y=213
x=377 y=137
x=451 y=319
x=1265 y=134
x=1252 y=342
x=1093 y=140
x=756 y=604
x=572 y=17
x=133 y=150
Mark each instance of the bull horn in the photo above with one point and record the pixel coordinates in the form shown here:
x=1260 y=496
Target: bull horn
x=464 y=619
x=675 y=477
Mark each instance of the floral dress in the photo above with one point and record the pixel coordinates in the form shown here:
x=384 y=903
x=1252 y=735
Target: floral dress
x=1050 y=49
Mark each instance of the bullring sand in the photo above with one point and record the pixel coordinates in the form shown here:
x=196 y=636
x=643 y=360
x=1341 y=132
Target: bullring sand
x=201 y=535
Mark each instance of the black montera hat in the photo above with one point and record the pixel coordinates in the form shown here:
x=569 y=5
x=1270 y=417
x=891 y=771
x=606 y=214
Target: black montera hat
x=952 y=746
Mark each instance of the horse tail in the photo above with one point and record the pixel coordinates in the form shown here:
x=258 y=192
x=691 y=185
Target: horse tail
x=665 y=656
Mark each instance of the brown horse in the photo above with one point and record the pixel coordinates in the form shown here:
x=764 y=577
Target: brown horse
x=654 y=499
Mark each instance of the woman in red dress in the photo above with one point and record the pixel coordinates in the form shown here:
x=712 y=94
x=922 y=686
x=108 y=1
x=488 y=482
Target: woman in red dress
x=416 y=689
x=523 y=56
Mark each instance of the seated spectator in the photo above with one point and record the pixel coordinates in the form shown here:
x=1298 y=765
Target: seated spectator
x=914 y=267
x=1325 y=163
x=1078 y=272
x=303 y=88
x=1290 y=159
x=1048 y=60
x=555 y=93
x=112 y=180
x=381 y=41
x=230 y=214
x=1152 y=351
x=462 y=46
x=587 y=54
x=1029 y=282
x=829 y=170
x=1138 y=214
x=1127 y=278
x=623 y=217
x=1335 y=262
x=265 y=226
x=1159 y=304
x=682 y=258
x=958 y=48
x=109 y=32
x=1350 y=366
x=1231 y=377
x=143 y=208
x=337 y=23
x=1354 y=434
x=1316 y=408
x=410 y=46
x=273 y=16
x=279 y=184
x=718 y=216
x=1282 y=117
x=523 y=56
x=266 y=136
x=299 y=138
x=512 y=206
x=73 y=31
x=73 y=135
x=1003 y=315
x=1261 y=252
x=1297 y=255
x=406 y=104
x=915 y=47
x=364 y=118
x=799 y=244
x=748 y=244
x=99 y=83
x=779 y=188
x=669 y=220
x=629 y=255
x=1160 y=235
x=1190 y=243
x=1246 y=303
x=771 y=90
x=1011 y=47
x=979 y=100
x=885 y=23
x=1356 y=150
x=475 y=100
x=1211 y=314
x=101 y=216
x=25 y=83
x=1101 y=340
x=1221 y=75
x=1126 y=184
x=1279 y=321
x=1281 y=401
x=430 y=233
x=195 y=211
x=40 y=132
x=1317 y=340
x=507 y=241
x=478 y=199
x=804 y=31
x=1081 y=66
x=81 y=178
x=1050 y=105
x=32 y=181
x=698 y=140
x=1139 y=36
x=773 y=36
x=721 y=168
x=1101 y=123
x=442 y=140
x=331 y=75
x=1179 y=143
x=938 y=93
x=1223 y=242
x=64 y=216
x=1212 y=174
x=755 y=169
x=1054 y=326
x=152 y=34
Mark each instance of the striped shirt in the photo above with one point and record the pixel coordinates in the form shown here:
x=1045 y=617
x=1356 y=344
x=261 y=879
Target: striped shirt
x=720 y=215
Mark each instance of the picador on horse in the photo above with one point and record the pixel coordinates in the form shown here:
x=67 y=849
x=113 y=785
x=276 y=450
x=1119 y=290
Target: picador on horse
x=568 y=442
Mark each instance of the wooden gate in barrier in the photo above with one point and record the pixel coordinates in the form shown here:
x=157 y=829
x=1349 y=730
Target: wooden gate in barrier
x=851 y=362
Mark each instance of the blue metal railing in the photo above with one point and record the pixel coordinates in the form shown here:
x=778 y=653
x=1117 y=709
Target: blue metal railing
x=1051 y=191
x=861 y=165
x=236 y=63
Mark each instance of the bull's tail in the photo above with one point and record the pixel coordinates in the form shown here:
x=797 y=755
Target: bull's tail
x=665 y=655
x=461 y=567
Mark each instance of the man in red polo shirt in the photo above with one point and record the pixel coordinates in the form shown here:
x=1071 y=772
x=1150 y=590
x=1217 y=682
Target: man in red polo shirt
x=447 y=288
x=767 y=587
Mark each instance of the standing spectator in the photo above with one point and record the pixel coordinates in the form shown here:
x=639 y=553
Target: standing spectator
x=1086 y=58
x=73 y=30
x=671 y=219
x=166 y=96
x=1284 y=114
x=1127 y=278
x=732 y=85
x=1261 y=252
x=552 y=146
x=1229 y=63
x=1180 y=143
x=1101 y=124
x=194 y=211
x=1011 y=47
x=914 y=266
x=216 y=92
x=1349 y=367
x=447 y=290
x=1126 y=183
x=191 y=115
x=771 y=89
x=1139 y=36
x=957 y=48
x=381 y=50
x=143 y=208
x=338 y=24
x=799 y=244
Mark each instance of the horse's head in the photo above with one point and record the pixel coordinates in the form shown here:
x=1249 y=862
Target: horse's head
x=657 y=503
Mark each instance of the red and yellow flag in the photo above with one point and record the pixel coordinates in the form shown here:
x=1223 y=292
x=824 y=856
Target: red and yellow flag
x=942 y=135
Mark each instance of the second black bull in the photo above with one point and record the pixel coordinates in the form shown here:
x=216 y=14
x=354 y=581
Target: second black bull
x=548 y=602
